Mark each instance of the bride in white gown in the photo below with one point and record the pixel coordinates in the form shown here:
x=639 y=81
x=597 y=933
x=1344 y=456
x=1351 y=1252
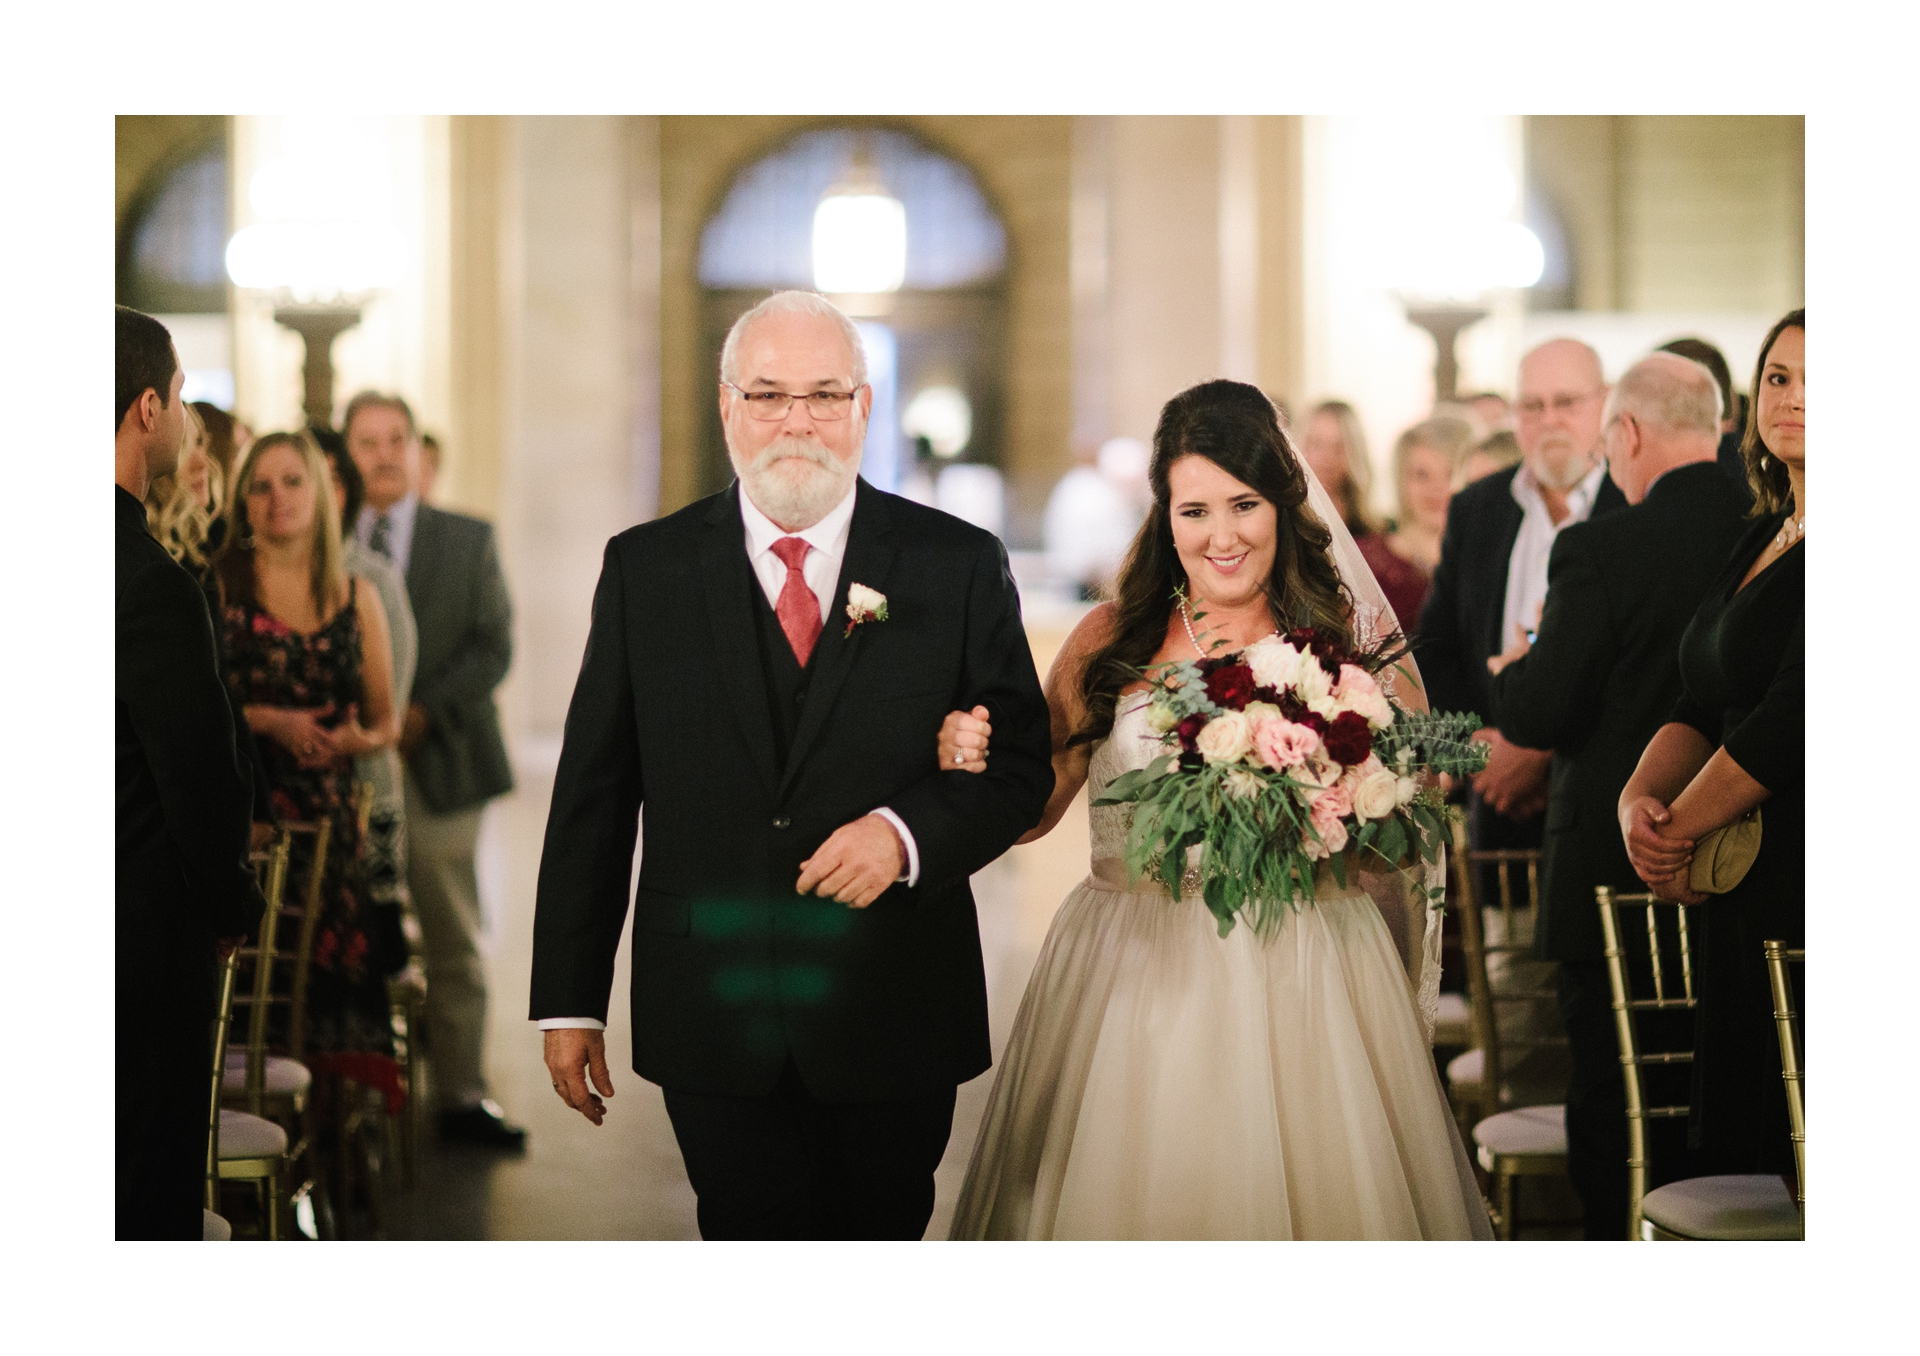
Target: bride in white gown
x=1162 y=1081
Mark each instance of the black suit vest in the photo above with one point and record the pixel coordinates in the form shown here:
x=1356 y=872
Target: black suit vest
x=786 y=682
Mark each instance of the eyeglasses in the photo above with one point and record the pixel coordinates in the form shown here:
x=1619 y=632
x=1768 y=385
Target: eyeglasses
x=1533 y=407
x=768 y=406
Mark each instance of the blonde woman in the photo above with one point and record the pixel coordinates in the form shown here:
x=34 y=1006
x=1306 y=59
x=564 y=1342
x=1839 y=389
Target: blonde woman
x=1402 y=555
x=1335 y=446
x=183 y=508
x=309 y=663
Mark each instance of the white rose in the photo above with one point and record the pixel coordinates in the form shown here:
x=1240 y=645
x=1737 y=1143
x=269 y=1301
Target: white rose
x=861 y=599
x=1259 y=711
x=1404 y=790
x=1327 y=708
x=1376 y=795
x=1274 y=663
x=1160 y=718
x=1226 y=738
x=1373 y=705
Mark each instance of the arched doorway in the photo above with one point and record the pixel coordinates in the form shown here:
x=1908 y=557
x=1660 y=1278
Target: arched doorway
x=936 y=343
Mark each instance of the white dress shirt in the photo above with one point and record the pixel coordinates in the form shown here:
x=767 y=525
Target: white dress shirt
x=399 y=530
x=1527 y=566
x=821 y=571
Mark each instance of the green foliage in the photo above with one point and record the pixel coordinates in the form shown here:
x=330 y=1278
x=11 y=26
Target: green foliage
x=1439 y=741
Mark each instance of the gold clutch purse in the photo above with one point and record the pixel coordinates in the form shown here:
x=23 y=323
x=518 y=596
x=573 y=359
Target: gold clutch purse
x=1723 y=857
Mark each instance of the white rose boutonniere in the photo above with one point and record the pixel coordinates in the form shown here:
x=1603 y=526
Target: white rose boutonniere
x=864 y=604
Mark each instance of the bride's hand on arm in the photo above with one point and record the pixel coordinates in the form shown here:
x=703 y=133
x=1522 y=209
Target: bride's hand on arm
x=1066 y=713
x=961 y=745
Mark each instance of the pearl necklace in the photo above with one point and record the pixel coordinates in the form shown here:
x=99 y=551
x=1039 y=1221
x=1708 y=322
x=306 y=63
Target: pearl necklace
x=1187 y=622
x=1791 y=531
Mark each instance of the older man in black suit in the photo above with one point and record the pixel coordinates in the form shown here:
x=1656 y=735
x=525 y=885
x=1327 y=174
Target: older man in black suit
x=182 y=803
x=455 y=758
x=1600 y=679
x=766 y=672
x=1492 y=575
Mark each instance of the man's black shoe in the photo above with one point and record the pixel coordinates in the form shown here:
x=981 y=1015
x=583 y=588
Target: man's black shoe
x=484 y=1124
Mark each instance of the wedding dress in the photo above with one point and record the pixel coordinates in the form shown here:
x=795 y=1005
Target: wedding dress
x=1162 y=1081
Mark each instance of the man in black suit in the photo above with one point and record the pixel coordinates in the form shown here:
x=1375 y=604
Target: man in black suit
x=1492 y=575
x=1600 y=679
x=807 y=979
x=455 y=758
x=182 y=804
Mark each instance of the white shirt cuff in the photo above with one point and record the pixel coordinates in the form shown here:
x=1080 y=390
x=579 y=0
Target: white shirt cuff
x=572 y=1024
x=912 y=878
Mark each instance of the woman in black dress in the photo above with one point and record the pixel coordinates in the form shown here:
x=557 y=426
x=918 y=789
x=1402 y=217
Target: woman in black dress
x=308 y=663
x=1737 y=740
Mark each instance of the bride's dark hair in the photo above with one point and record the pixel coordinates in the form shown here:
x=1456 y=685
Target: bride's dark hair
x=1232 y=425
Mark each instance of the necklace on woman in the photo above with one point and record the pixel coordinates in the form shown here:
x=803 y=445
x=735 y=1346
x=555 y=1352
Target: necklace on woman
x=1187 y=622
x=1791 y=531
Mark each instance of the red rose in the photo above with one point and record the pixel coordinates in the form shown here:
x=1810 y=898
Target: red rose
x=1349 y=740
x=1231 y=687
x=1189 y=731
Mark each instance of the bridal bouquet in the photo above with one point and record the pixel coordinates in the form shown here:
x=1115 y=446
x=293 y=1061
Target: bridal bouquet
x=1282 y=756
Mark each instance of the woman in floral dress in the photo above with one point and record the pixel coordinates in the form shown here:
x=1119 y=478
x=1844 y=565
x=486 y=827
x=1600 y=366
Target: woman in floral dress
x=308 y=660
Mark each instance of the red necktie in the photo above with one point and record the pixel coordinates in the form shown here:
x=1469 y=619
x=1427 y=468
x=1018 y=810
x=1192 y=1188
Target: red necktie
x=798 y=610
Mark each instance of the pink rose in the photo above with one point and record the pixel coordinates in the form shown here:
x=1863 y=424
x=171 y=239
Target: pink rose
x=1354 y=679
x=1279 y=743
x=1330 y=805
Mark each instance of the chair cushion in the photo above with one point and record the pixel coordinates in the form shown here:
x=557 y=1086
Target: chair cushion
x=213 y=1229
x=1470 y=1067
x=1454 y=1026
x=285 y=1077
x=1746 y=1207
x=246 y=1136
x=1527 y=1130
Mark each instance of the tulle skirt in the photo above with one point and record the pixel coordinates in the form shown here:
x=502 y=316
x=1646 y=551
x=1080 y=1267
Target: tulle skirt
x=1164 y=1082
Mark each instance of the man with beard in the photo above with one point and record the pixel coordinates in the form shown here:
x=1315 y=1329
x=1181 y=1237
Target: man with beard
x=766 y=673
x=1492 y=577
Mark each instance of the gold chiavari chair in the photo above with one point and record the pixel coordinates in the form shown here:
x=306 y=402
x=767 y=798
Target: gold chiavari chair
x=406 y=996
x=242 y=1146
x=1786 y=1021
x=257 y=1080
x=1516 y=1142
x=1732 y=1207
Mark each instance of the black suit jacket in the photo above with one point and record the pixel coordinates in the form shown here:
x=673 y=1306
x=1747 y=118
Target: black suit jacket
x=465 y=625
x=183 y=797
x=1604 y=676
x=732 y=971
x=1460 y=625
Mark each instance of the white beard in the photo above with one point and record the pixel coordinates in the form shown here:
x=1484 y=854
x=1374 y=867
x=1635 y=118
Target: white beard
x=795 y=482
x=1561 y=470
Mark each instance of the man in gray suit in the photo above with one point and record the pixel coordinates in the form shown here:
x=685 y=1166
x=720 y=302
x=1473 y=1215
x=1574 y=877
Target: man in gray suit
x=456 y=760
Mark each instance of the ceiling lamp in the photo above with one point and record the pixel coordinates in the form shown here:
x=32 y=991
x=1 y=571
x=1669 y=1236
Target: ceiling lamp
x=859 y=234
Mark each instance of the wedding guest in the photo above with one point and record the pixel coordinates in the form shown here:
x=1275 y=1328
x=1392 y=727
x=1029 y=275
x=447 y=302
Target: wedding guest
x=310 y=666
x=184 y=515
x=1492 y=576
x=181 y=799
x=1402 y=555
x=1335 y=446
x=1491 y=413
x=1599 y=681
x=1732 y=412
x=223 y=440
x=385 y=848
x=1495 y=452
x=454 y=757
x=1093 y=513
x=1737 y=742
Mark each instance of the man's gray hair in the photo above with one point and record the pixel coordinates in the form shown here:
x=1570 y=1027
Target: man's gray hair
x=793 y=302
x=1671 y=392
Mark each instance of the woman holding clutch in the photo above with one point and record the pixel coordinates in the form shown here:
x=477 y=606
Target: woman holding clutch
x=1737 y=743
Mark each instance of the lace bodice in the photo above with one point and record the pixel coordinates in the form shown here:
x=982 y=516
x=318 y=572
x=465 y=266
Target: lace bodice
x=1129 y=745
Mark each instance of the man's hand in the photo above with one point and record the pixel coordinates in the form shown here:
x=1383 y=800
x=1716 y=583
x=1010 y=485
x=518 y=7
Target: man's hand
x=1517 y=650
x=572 y=1053
x=1660 y=861
x=855 y=865
x=962 y=741
x=413 y=730
x=1514 y=781
x=226 y=946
